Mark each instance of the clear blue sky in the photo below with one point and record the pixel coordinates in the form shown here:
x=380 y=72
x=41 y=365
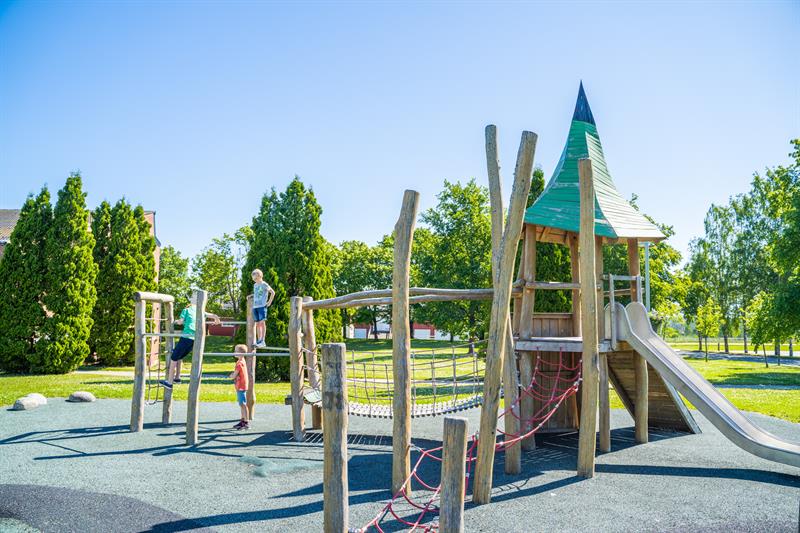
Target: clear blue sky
x=195 y=109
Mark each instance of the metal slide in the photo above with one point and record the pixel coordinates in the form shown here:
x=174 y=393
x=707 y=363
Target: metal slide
x=633 y=326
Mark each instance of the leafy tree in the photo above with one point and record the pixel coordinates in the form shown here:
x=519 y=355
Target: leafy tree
x=23 y=274
x=217 y=269
x=690 y=295
x=709 y=320
x=70 y=290
x=173 y=276
x=101 y=230
x=353 y=275
x=147 y=242
x=287 y=246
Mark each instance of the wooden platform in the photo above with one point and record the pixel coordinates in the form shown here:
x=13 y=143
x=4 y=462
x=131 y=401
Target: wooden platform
x=556 y=344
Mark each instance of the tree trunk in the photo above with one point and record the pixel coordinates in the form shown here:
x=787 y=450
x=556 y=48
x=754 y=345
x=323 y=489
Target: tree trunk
x=791 y=348
x=706 y=349
x=411 y=328
x=776 y=348
x=375 y=327
x=344 y=324
x=699 y=342
x=744 y=334
x=764 y=350
x=727 y=346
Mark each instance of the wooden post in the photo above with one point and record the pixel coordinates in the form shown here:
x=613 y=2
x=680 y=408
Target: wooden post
x=334 y=438
x=169 y=315
x=310 y=344
x=598 y=268
x=641 y=407
x=604 y=401
x=513 y=455
x=296 y=367
x=193 y=408
x=526 y=332
x=250 y=340
x=140 y=347
x=495 y=352
x=401 y=342
x=574 y=259
x=588 y=425
x=454 y=455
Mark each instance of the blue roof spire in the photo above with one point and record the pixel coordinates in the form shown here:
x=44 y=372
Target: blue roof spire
x=583 y=112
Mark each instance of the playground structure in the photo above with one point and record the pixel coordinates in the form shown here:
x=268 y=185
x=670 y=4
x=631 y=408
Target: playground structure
x=597 y=345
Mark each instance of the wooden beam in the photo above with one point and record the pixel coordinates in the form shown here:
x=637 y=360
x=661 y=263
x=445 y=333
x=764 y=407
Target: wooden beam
x=193 y=407
x=139 y=369
x=495 y=353
x=401 y=342
x=598 y=265
x=513 y=455
x=574 y=257
x=634 y=268
x=641 y=400
x=454 y=461
x=526 y=331
x=310 y=344
x=169 y=319
x=334 y=438
x=604 y=405
x=250 y=360
x=143 y=296
x=589 y=366
x=296 y=367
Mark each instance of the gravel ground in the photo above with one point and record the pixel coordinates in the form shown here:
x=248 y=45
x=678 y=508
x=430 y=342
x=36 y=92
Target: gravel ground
x=75 y=467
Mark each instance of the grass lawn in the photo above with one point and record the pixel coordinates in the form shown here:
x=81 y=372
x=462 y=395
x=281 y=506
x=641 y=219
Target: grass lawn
x=774 y=402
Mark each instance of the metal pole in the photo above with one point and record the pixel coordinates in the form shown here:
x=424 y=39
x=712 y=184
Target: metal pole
x=647 y=275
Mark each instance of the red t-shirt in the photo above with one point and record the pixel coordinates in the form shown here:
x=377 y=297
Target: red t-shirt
x=241 y=375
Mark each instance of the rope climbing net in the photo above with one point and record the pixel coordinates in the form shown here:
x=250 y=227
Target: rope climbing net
x=442 y=381
x=417 y=509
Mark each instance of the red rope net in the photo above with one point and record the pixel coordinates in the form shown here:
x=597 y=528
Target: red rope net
x=418 y=511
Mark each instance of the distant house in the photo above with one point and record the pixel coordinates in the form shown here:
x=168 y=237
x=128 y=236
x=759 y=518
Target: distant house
x=421 y=331
x=8 y=219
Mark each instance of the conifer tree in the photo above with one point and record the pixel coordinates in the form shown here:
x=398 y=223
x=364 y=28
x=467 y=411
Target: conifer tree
x=70 y=292
x=147 y=243
x=101 y=230
x=23 y=272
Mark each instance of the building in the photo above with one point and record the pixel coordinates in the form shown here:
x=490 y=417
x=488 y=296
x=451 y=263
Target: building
x=8 y=219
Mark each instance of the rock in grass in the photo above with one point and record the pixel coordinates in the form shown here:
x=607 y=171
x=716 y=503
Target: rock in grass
x=81 y=396
x=38 y=397
x=26 y=403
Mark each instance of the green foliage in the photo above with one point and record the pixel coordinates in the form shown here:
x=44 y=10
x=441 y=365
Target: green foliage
x=462 y=246
x=23 y=273
x=70 y=291
x=709 y=320
x=123 y=254
x=287 y=246
x=173 y=276
x=217 y=269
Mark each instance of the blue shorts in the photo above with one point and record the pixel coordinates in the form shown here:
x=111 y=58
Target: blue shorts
x=182 y=349
x=241 y=397
x=259 y=314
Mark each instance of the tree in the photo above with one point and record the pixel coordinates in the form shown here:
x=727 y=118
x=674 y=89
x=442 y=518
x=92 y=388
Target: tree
x=709 y=320
x=23 y=274
x=287 y=246
x=70 y=290
x=217 y=269
x=353 y=275
x=173 y=276
x=125 y=265
x=461 y=223
x=690 y=295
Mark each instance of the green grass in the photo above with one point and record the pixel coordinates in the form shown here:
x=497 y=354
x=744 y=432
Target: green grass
x=779 y=403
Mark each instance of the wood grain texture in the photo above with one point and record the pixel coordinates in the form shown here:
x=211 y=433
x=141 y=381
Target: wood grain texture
x=296 y=367
x=641 y=399
x=139 y=370
x=526 y=331
x=454 y=455
x=633 y=268
x=574 y=258
x=193 y=407
x=401 y=341
x=334 y=437
x=604 y=406
x=495 y=354
x=589 y=366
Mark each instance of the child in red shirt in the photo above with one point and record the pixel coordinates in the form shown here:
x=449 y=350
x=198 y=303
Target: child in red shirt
x=240 y=379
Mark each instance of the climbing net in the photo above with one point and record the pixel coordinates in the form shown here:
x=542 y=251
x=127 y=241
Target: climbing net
x=418 y=508
x=442 y=381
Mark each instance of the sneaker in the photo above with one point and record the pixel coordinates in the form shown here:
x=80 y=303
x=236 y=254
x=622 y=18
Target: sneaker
x=239 y=425
x=166 y=384
x=244 y=426
x=261 y=344
x=176 y=380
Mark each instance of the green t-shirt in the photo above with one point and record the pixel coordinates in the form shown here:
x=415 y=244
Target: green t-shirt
x=189 y=320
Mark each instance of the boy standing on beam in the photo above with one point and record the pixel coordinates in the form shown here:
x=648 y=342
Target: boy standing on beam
x=262 y=298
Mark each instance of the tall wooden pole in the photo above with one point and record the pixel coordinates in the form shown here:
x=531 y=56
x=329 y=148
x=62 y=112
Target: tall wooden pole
x=604 y=400
x=250 y=360
x=589 y=366
x=513 y=455
x=193 y=407
x=641 y=407
x=140 y=347
x=574 y=259
x=169 y=315
x=454 y=458
x=401 y=342
x=296 y=367
x=526 y=332
x=495 y=353
x=310 y=344
x=334 y=437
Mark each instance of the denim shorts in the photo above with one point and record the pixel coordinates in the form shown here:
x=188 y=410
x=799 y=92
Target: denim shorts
x=241 y=397
x=182 y=349
x=259 y=314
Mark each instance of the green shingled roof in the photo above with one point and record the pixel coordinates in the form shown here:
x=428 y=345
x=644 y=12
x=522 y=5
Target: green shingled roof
x=559 y=204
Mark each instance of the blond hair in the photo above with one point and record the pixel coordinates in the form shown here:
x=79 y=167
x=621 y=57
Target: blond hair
x=240 y=348
x=257 y=273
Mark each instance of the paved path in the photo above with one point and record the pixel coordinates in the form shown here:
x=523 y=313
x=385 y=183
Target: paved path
x=719 y=356
x=261 y=481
